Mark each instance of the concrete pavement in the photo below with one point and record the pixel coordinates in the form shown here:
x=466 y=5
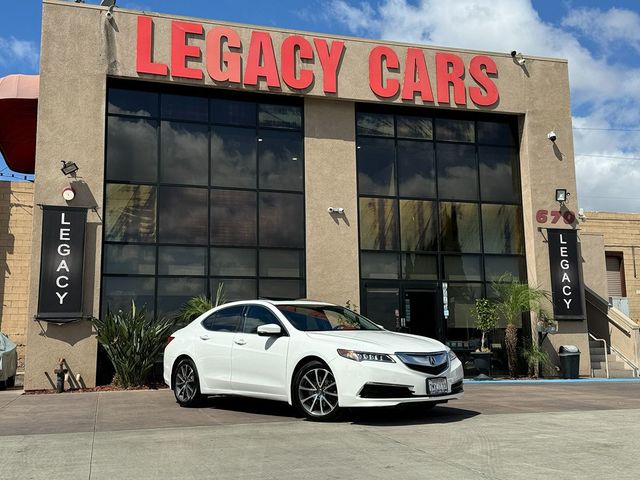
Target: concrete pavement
x=509 y=432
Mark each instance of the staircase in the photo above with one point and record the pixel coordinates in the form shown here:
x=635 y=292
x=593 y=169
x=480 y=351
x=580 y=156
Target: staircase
x=617 y=367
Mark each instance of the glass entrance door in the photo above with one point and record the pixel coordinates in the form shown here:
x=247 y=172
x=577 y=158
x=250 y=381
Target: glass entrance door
x=421 y=313
x=382 y=305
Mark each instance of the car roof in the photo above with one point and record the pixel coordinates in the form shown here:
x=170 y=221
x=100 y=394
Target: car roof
x=275 y=303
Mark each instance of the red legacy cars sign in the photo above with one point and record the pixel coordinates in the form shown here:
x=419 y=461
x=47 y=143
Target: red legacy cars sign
x=225 y=61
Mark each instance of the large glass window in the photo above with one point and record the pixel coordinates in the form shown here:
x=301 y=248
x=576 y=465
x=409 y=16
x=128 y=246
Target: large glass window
x=202 y=191
x=439 y=207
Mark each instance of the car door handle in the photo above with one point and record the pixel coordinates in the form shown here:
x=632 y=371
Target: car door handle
x=240 y=341
x=204 y=337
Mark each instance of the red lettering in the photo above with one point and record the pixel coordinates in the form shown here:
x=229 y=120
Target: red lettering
x=416 y=77
x=144 y=51
x=330 y=62
x=180 y=50
x=481 y=77
x=446 y=77
x=288 y=50
x=261 y=61
x=224 y=66
x=377 y=57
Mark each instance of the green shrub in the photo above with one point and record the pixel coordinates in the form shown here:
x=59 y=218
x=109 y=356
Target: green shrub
x=196 y=306
x=133 y=341
x=484 y=313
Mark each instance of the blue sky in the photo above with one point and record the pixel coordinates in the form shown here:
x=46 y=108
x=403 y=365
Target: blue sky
x=601 y=39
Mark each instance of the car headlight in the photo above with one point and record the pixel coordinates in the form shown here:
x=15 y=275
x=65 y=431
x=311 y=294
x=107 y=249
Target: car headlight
x=452 y=356
x=365 y=356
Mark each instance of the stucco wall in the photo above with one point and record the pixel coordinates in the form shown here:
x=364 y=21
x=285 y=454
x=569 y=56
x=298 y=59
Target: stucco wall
x=16 y=224
x=80 y=48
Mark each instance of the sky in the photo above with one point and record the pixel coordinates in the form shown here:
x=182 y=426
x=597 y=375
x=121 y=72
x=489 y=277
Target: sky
x=600 y=38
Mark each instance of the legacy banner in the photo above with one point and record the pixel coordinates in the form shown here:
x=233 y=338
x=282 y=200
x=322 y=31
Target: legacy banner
x=566 y=284
x=61 y=267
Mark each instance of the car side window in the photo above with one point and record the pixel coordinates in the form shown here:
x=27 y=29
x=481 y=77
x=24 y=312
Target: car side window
x=257 y=316
x=227 y=320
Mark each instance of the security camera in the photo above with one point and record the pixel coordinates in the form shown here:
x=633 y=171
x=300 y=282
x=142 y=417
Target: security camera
x=518 y=58
x=335 y=210
x=109 y=14
x=581 y=214
x=552 y=136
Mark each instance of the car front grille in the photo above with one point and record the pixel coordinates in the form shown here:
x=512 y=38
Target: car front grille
x=431 y=363
x=381 y=390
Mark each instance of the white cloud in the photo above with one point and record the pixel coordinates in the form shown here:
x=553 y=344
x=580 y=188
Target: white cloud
x=19 y=53
x=606 y=90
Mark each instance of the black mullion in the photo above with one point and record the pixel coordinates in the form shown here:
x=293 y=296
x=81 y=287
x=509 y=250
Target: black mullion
x=157 y=186
x=396 y=171
x=477 y=165
x=209 y=182
x=258 y=186
x=304 y=203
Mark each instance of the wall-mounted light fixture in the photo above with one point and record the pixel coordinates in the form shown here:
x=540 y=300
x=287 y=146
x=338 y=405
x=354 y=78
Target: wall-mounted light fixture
x=518 y=58
x=68 y=168
x=561 y=195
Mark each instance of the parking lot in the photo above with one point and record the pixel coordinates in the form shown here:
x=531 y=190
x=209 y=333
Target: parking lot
x=559 y=430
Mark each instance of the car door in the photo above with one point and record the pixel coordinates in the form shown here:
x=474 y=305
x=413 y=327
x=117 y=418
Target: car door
x=213 y=347
x=259 y=362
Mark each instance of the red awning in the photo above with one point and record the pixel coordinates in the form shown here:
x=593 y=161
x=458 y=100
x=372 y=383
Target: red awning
x=18 y=120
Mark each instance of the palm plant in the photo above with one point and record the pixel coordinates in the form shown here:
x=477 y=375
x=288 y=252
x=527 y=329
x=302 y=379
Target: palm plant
x=535 y=357
x=133 y=341
x=514 y=298
x=200 y=304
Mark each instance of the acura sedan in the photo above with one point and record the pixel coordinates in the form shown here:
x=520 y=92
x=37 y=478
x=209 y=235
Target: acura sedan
x=319 y=357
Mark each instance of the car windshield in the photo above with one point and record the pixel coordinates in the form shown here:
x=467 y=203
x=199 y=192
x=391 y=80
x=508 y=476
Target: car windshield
x=321 y=318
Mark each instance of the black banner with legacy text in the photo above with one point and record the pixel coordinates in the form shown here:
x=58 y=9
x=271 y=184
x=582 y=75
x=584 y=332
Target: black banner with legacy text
x=61 y=264
x=566 y=283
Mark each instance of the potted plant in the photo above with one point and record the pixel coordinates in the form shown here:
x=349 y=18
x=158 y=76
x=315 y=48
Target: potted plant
x=484 y=313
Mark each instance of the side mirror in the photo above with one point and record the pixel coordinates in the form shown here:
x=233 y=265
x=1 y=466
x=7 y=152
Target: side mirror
x=269 y=330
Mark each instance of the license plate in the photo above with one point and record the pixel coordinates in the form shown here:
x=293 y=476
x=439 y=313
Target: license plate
x=437 y=386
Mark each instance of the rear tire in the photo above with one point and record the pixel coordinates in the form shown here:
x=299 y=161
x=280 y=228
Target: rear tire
x=315 y=392
x=186 y=386
x=11 y=382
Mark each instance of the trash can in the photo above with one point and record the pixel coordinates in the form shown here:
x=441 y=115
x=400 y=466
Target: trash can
x=569 y=361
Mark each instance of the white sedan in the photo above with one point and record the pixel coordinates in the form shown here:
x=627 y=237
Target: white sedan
x=8 y=362
x=316 y=356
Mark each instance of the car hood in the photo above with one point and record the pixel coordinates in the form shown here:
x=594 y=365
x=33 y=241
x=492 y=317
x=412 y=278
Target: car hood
x=379 y=341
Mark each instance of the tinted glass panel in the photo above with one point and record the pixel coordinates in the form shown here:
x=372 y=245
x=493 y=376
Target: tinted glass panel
x=375 y=124
x=130 y=259
x=280 y=160
x=457 y=172
x=232 y=112
x=418 y=225
x=416 y=169
x=494 y=133
x=257 y=316
x=414 y=127
x=234 y=288
x=226 y=320
x=281 y=263
x=173 y=293
x=279 y=116
x=233 y=262
x=133 y=102
x=463 y=267
x=497 y=180
x=419 y=267
x=132 y=150
x=233 y=217
x=379 y=265
x=280 y=289
x=455 y=130
x=378 y=224
x=376 y=171
x=181 y=107
x=130 y=213
x=281 y=220
x=185 y=153
x=459 y=227
x=495 y=266
x=183 y=215
x=182 y=260
x=233 y=157
x=119 y=292
x=502 y=225
x=462 y=298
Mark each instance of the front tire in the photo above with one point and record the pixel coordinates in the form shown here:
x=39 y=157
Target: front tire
x=11 y=382
x=186 y=386
x=315 y=393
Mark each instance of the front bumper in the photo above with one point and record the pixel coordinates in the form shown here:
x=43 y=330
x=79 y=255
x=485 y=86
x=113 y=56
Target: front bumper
x=354 y=380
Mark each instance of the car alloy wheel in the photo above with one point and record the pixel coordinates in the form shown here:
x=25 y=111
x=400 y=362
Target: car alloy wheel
x=185 y=384
x=317 y=392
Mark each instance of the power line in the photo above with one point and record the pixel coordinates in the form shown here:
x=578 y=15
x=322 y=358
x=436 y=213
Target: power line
x=605 y=156
x=609 y=129
x=607 y=196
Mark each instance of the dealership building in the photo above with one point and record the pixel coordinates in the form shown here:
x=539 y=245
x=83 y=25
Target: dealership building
x=402 y=179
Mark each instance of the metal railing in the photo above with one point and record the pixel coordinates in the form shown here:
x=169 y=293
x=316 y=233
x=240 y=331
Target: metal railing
x=633 y=366
x=606 y=357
